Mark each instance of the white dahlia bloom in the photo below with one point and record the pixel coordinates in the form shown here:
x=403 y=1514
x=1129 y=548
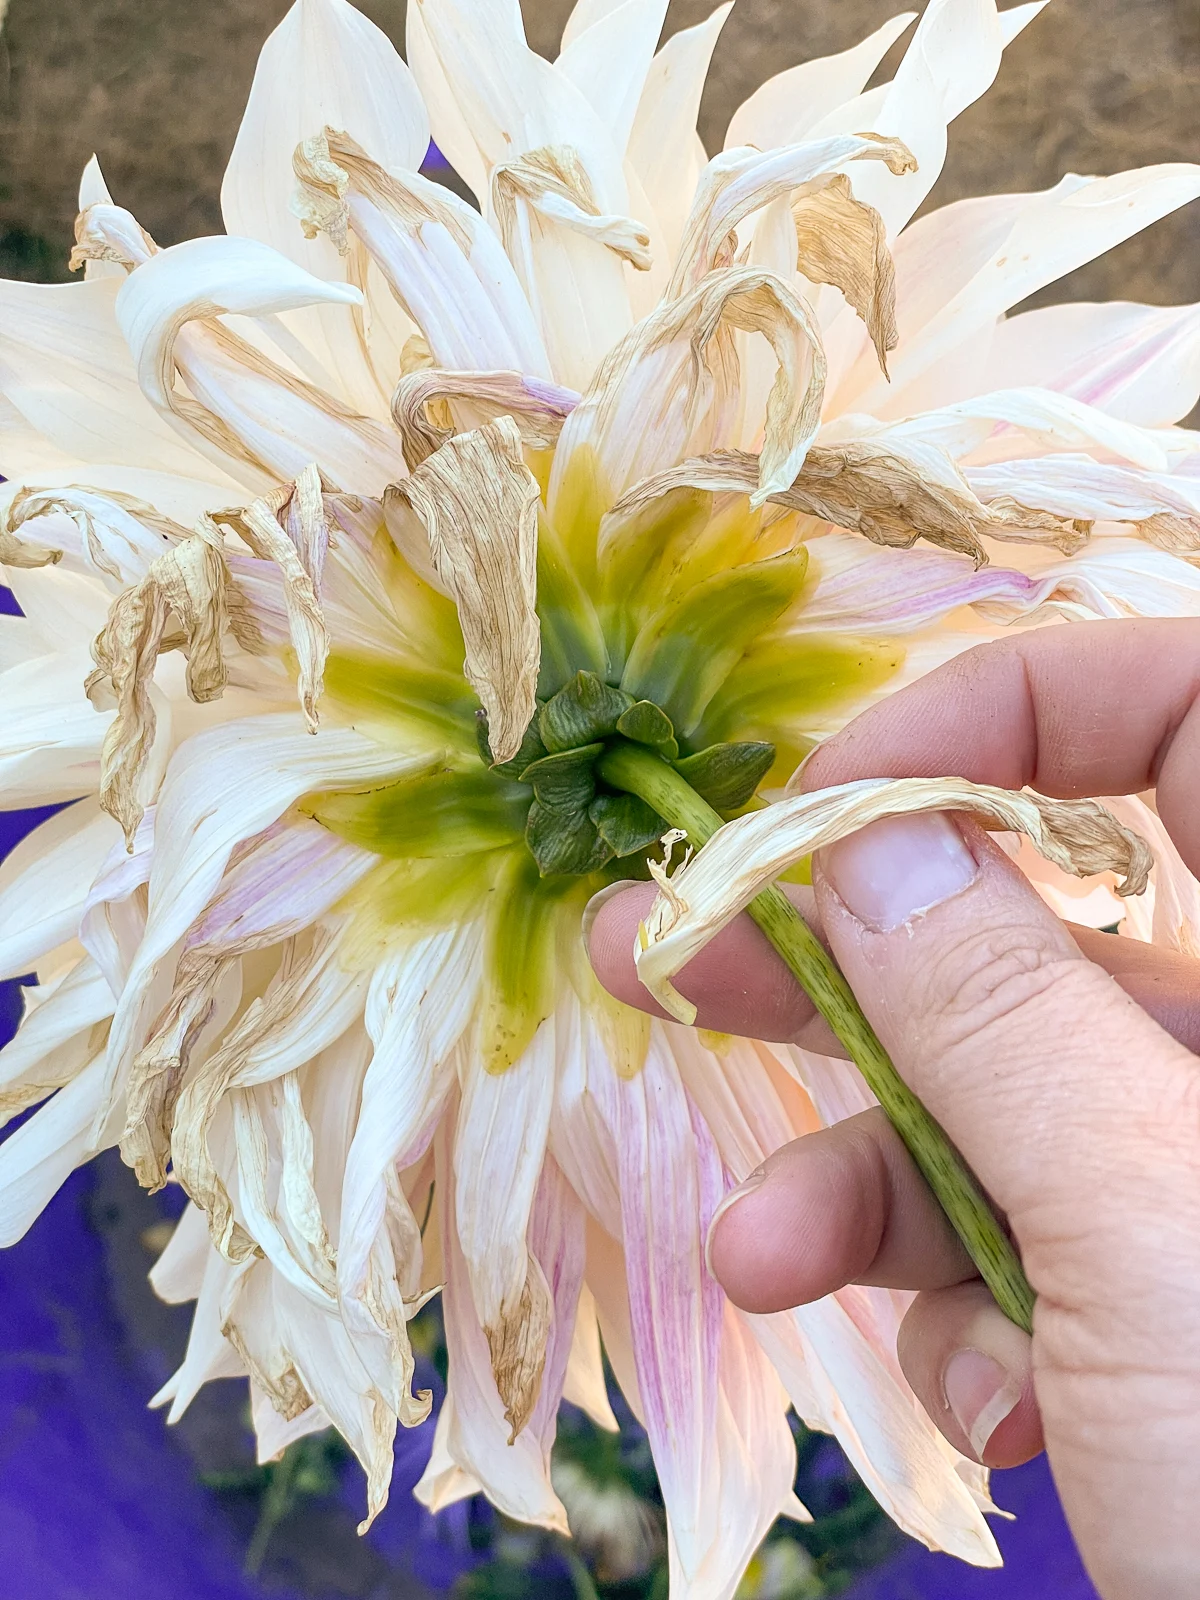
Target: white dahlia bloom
x=620 y=454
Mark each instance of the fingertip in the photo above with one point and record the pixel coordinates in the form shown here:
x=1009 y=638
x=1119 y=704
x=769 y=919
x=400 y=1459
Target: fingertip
x=972 y=1370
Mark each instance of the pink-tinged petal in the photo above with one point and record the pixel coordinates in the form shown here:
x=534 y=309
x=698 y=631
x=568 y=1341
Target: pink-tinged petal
x=960 y=268
x=863 y=588
x=894 y=1450
x=44 y=884
x=419 y=1003
x=1139 y=363
x=277 y=884
x=557 y=1240
x=583 y=1382
x=1168 y=913
x=226 y=785
x=516 y=1476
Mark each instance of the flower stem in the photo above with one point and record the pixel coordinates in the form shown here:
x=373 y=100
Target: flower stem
x=627 y=766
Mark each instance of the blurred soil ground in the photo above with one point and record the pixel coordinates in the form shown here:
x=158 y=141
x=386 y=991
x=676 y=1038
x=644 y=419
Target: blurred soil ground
x=156 y=87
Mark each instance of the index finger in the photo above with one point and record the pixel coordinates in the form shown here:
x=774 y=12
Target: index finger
x=1089 y=708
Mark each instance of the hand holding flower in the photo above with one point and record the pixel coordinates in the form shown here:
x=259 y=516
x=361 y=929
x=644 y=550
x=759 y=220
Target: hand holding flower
x=1074 y=1105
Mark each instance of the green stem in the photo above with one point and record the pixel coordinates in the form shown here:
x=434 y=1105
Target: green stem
x=628 y=766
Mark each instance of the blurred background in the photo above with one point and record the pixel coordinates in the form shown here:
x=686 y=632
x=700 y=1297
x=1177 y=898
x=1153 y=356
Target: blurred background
x=97 y=1499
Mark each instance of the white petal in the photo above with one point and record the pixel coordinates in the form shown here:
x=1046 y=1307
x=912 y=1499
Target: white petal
x=44 y=884
x=53 y=1042
x=256 y=418
x=1025 y=243
x=789 y=105
x=225 y=785
x=50 y=737
x=66 y=368
x=1138 y=363
x=664 y=149
x=40 y=1156
x=609 y=59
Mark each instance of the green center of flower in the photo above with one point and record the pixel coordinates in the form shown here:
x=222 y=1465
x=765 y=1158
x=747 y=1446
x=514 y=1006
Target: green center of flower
x=581 y=816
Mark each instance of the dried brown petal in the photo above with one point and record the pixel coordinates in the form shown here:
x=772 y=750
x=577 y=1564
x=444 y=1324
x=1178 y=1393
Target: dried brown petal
x=187 y=583
x=479 y=502
x=420 y=413
x=555 y=183
x=746 y=855
x=843 y=241
x=290 y=527
x=517 y=1342
x=16 y=553
x=868 y=488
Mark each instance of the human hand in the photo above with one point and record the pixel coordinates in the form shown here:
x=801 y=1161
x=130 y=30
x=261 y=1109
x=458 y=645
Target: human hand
x=1036 y=1047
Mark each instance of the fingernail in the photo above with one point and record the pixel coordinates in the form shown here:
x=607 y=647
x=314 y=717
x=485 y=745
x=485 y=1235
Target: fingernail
x=980 y=1394
x=593 y=908
x=755 y=1181
x=897 y=868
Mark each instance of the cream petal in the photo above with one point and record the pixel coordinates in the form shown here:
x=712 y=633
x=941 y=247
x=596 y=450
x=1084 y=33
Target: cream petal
x=557 y=1241
x=226 y=785
x=178 y=1273
x=1169 y=913
x=93 y=191
x=441 y=261
x=583 y=1382
x=209 y=1354
x=499 y=1148
x=517 y=105
x=664 y=148
x=744 y=856
x=1138 y=363
x=44 y=883
x=738 y=183
x=654 y=403
x=818 y=1349
x=54 y=1041
x=952 y=60
x=418 y=1005
x=1165 y=506
x=40 y=1156
x=261 y=422
x=325 y=64
x=608 y=60
x=514 y=1473
x=66 y=369
x=51 y=737
x=448 y=125
x=789 y=105
x=1025 y=243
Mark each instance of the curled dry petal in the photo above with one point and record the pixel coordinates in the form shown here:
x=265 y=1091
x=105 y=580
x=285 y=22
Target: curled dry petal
x=290 y=527
x=433 y=250
x=189 y=583
x=842 y=241
x=479 y=504
x=873 y=490
x=15 y=552
x=119 y=535
x=746 y=855
x=749 y=853
x=555 y=183
x=537 y=407
x=669 y=388
x=739 y=182
x=104 y=232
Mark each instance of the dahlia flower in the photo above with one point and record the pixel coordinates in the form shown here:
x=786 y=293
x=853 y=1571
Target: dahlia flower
x=348 y=542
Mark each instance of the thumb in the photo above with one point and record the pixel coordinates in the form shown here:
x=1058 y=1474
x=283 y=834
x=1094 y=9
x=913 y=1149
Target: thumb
x=1061 y=1093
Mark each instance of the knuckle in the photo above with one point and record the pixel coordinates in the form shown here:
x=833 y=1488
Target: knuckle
x=997 y=982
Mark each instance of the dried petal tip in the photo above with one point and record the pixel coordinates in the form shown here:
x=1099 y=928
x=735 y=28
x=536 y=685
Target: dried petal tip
x=554 y=182
x=746 y=855
x=478 y=502
x=517 y=1344
x=15 y=552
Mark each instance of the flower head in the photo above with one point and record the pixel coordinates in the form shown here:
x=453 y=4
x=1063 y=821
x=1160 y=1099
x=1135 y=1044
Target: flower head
x=352 y=543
